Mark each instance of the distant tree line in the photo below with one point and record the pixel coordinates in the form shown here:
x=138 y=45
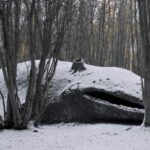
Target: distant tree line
x=103 y=33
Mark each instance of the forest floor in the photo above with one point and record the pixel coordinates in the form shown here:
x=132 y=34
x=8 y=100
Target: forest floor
x=77 y=137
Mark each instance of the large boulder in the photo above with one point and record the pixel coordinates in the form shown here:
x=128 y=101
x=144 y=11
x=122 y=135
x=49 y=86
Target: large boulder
x=97 y=94
x=77 y=106
x=86 y=93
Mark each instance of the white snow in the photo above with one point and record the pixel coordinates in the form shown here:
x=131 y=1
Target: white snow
x=77 y=137
x=111 y=78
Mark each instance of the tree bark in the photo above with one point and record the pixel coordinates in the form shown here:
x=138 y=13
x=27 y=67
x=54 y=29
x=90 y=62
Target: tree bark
x=144 y=15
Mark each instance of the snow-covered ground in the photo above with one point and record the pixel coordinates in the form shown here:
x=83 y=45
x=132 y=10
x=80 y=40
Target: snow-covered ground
x=77 y=137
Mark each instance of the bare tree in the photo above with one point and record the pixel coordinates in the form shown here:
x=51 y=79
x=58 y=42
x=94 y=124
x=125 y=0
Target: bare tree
x=8 y=55
x=58 y=22
x=144 y=12
x=46 y=22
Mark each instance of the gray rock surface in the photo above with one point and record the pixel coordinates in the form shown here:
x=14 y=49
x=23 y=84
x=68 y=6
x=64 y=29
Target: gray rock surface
x=79 y=106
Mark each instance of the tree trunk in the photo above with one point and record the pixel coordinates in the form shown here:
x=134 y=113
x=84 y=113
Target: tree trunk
x=146 y=121
x=144 y=16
